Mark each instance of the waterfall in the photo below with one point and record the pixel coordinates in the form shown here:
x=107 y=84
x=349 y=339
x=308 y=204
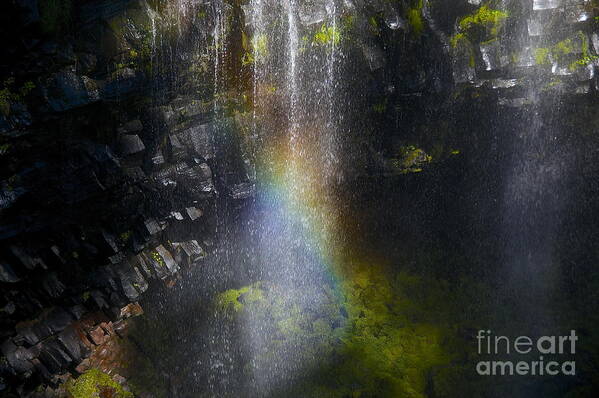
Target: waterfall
x=292 y=70
x=533 y=197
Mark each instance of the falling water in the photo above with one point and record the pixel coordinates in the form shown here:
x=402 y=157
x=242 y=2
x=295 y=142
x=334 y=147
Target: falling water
x=292 y=75
x=532 y=196
x=290 y=213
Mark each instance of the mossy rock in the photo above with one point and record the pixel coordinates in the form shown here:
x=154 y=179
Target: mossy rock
x=96 y=384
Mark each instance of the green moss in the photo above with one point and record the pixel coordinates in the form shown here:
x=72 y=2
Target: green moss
x=564 y=50
x=415 y=21
x=256 y=48
x=373 y=22
x=96 y=384
x=380 y=108
x=485 y=17
x=414 y=17
x=55 y=15
x=564 y=47
x=379 y=335
x=411 y=159
x=542 y=56
x=158 y=258
x=583 y=61
x=327 y=35
x=230 y=300
x=586 y=57
x=456 y=39
x=460 y=42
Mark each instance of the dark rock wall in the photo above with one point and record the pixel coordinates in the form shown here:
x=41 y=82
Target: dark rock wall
x=114 y=165
x=108 y=181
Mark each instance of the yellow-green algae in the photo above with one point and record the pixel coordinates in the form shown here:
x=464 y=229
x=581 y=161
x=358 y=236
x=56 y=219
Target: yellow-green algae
x=460 y=41
x=486 y=17
x=483 y=24
x=327 y=35
x=414 y=17
x=542 y=56
x=564 y=49
x=256 y=48
x=411 y=159
x=381 y=334
x=96 y=384
x=230 y=299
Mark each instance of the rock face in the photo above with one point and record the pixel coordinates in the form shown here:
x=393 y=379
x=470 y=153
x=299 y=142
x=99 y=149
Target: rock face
x=119 y=143
x=109 y=176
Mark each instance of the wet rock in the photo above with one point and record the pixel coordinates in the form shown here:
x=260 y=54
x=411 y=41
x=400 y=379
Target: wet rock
x=143 y=265
x=195 y=178
x=374 y=56
x=67 y=90
x=43 y=371
x=129 y=311
x=462 y=57
x=561 y=70
x=11 y=190
x=199 y=138
x=99 y=299
x=122 y=82
x=28 y=261
x=193 y=213
x=155 y=264
x=392 y=19
x=18 y=357
x=526 y=58
x=577 y=13
x=178 y=150
x=582 y=89
x=7 y=274
x=503 y=83
x=536 y=25
x=73 y=344
x=492 y=55
x=312 y=12
x=585 y=72
x=132 y=282
x=9 y=308
x=158 y=158
x=192 y=250
x=53 y=355
x=514 y=102
x=99 y=335
x=152 y=226
x=130 y=144
x=167 y=259
x=243 y=190
x=52 y=285
x=131 y=126
x=78 y=311
x=545 y=4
